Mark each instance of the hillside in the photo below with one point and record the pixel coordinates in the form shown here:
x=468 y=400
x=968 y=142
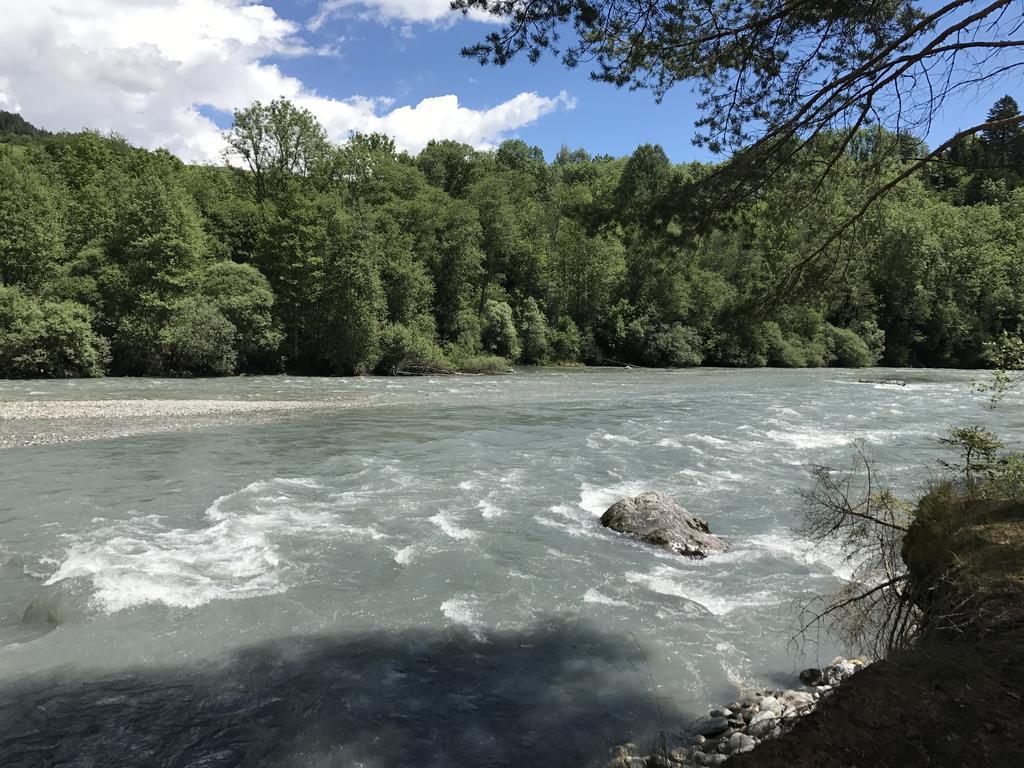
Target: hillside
x=359 y=258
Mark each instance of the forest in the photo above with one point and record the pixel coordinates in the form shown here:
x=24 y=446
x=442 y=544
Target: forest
x=298 y=255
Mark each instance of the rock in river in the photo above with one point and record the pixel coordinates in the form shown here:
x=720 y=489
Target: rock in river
x=657 y=518
x=712 y=726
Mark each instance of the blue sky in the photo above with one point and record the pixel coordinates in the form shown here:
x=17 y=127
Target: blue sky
x=375 y=58
x=168 y=73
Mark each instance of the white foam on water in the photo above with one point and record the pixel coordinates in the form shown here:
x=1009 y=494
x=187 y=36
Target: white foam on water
x=512 y=479
x=789 y=546
x=667 y=580
x=809 y=438
x=668 y=442
x=467 y=485
x=405 y=555
x=600 y=439
x=236 y=556
x=459 y=610
x=569 y=519
x=301 y=482
x=814 y=438
x=711 y=481
x=595 y=597
x=359 y=532
x=447 y=524
x=489 y=510
x=596 y=499
x=462 y=610
x=708 y=439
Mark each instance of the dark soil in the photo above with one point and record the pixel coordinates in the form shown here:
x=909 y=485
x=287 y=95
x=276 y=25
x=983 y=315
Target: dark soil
x=956 y=701
x=955 y=705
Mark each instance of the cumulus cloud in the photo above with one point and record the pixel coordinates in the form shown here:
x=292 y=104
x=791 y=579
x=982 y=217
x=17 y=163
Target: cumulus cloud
x=145 y=68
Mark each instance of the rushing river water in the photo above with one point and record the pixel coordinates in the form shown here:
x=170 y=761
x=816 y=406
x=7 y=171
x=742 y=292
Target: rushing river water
x=412 y=571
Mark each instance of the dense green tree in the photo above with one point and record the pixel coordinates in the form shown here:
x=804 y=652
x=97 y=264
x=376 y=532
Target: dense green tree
x=448 y=165
x=359 y=258
x=47 y=339
x=499 y=330
x=31 y=228
x=196 y=338
x=277 y=143
x=353 y=306
x=15 y=125
x=242 y=295
x=534 y=333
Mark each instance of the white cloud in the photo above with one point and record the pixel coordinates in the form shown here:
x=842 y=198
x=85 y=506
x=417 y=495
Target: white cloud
x=143 y=68
x=422 y=11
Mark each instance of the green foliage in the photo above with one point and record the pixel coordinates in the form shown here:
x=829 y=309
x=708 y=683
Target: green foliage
x=468 y=331
x=674 y=346
x=448 y=165
x=15 y=125
x=978 y=449
x=499 y=330
x=410 y=350
x=470 y=363
x=565 y=341
x=279 y=143
x=198 y=339
x=324 y=259
x=847 y=349
x=46 y=338
x=242 y=295
x=534 y=333
x=1006 y=356
x=31 y=231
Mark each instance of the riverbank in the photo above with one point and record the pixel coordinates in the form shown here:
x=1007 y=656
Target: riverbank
x=952 y=699
x=940 y=704
x=741 y=726
x=66 y=421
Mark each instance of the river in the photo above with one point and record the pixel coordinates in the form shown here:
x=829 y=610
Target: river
x=411 y=571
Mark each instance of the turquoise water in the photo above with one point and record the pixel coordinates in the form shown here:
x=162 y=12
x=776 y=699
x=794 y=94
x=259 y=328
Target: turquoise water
x=413 y=569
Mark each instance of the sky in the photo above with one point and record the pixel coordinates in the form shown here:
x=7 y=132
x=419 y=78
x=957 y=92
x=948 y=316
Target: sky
x=169 y=73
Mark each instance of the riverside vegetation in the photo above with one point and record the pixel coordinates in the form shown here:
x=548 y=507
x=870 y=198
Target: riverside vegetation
x=313 y=258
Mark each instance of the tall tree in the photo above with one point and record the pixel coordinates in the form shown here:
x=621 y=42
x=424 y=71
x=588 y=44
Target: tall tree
x=277 y=142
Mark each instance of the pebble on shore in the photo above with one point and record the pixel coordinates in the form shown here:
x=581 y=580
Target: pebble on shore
x=45 y=422
x=742 y=725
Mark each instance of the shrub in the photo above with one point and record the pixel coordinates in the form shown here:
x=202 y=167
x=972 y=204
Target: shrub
x=47 y=338
x=410 y=350
x=464 y=362
x=198 y=339
x=847 y=349
x=779 y=349
x=566 y=343
x=467 y=330
x=535 y=332
x=242 y=294
x=499 y=330
x=676 y=346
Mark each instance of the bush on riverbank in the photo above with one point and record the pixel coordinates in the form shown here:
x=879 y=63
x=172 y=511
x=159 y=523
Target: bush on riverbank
x=40 y=338
x=927 y=567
